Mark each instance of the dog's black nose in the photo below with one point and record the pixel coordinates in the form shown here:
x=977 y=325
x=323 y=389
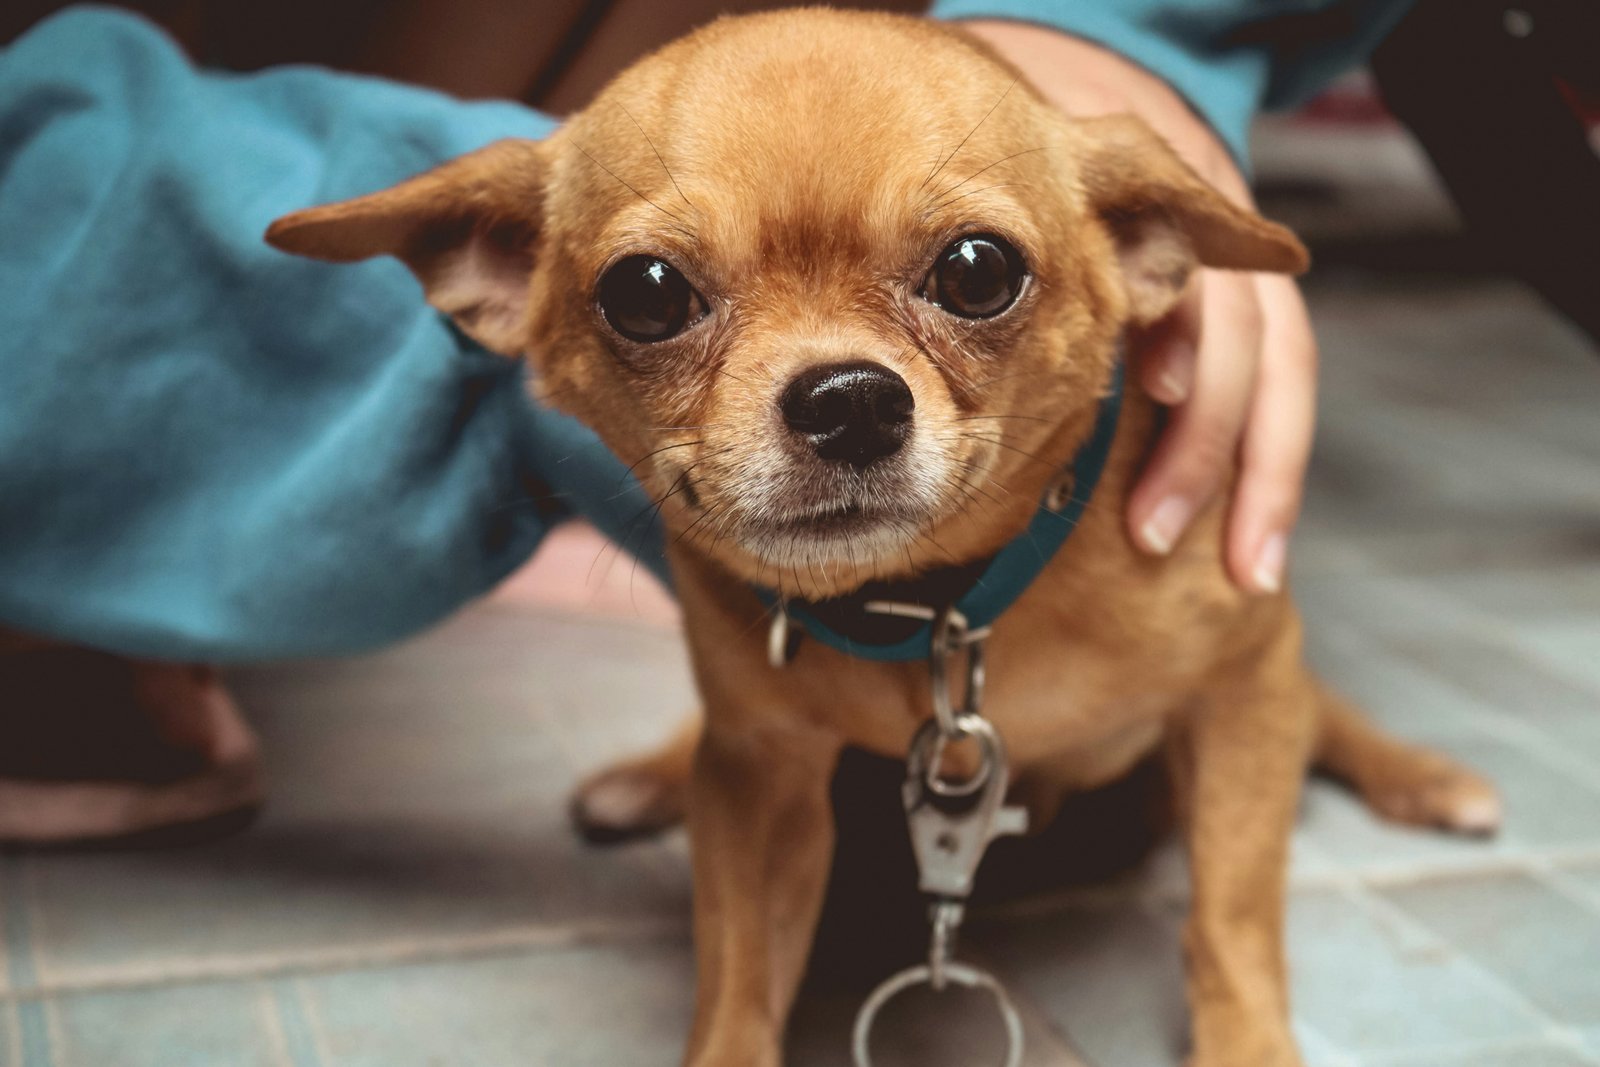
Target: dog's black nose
x=854 y=412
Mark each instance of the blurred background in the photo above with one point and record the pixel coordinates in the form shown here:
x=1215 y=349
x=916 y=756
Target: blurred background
x=413 y=896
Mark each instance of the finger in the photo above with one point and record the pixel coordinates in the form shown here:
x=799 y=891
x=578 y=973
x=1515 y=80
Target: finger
x=1200 y=444
x=1277 y=440
x=1165 y=352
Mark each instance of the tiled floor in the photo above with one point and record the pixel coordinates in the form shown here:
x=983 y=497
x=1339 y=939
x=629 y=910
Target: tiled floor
x=412 y=897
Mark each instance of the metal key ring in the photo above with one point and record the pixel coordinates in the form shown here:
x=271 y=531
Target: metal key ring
x=960 y=974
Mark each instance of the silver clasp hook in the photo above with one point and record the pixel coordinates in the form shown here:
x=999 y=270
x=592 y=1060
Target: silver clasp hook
x=952 y=822
x=952 y=635
x=951 y=827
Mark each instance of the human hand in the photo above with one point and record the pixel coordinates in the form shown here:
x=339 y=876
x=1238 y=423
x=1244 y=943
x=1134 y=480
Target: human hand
x=1235 y=360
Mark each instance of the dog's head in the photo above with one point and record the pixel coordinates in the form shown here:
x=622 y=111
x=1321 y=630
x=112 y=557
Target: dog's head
x=842 y=287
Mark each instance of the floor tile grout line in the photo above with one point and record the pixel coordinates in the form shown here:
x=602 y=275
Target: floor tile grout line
x=299 y=1034
x=1341 y=1057
x=38 y=932
x=1473 y=422
x=14 y=1042
x=1558 y=880
x=1553 y=1028
x=1548 y=1029
x=6 y=949
x=1375 y=905
x=1466 y=619
x=511 y=941
x=55 y=1026
x=21 y=972
x=318 y=1028
x=1534 y=656
x=1158 y=910
x=1522 y=861
x=271 y=1022
x=1453 y=872
x=1476 y=623
x=1429 y=1056
x=21 y=965
x=1379 y=876
x=1362 y=889
x=1577 y=769
x=1396 y=914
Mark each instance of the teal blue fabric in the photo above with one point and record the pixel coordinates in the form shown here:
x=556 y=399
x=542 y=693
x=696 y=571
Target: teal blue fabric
x=209 y=449
x=1229 y=58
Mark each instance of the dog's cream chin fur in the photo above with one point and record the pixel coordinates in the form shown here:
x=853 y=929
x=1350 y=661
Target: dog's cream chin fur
x=787 y=515
x=802 y=169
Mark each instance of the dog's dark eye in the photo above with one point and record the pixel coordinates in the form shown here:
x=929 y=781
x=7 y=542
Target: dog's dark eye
x=646 y=299
x=976 y=277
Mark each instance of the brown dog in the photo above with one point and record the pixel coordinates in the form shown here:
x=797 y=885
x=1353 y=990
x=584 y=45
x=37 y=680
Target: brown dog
x=848 y=294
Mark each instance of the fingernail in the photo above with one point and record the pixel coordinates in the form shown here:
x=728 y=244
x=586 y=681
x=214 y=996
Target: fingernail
x=1268 y=572
x=1165 y=524
x=1169 y=389
x=1172 y=383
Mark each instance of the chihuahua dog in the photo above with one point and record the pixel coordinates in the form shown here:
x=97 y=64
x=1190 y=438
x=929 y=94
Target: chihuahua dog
x=847 y=294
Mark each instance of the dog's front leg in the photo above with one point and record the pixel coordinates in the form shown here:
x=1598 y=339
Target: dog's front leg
x=761 y=831
x=1238 y=760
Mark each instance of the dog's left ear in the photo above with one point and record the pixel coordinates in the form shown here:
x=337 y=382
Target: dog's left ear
x=467 y=229
x=1166 y=219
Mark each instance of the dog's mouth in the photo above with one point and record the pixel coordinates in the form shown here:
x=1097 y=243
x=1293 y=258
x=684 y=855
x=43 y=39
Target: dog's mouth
x=853 y=529
x=790 y=512
x=829 y=521
x=835 y=518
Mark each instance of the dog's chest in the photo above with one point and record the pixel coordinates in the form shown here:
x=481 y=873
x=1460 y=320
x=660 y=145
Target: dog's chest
x=1085 y=717
x=1084 y=675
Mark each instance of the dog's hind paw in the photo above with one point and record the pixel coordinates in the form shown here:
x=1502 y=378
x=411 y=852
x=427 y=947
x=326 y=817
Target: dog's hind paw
x=1434 y=791
x=1402 y=782
x=626 y=802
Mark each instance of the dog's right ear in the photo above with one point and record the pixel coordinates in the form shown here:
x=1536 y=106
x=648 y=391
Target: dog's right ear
x=467 y=229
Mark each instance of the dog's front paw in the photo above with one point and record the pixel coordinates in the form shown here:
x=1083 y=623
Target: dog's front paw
x=1242 y=1043
x=1271 y=1057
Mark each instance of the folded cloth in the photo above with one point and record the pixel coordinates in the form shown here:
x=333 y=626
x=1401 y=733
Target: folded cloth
x=210 y=450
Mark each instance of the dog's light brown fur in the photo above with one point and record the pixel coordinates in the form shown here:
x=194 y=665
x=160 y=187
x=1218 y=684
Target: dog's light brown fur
x=802 y=169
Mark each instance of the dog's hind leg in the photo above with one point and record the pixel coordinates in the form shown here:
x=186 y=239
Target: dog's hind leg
x=640 y=796
x=1402 y=782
